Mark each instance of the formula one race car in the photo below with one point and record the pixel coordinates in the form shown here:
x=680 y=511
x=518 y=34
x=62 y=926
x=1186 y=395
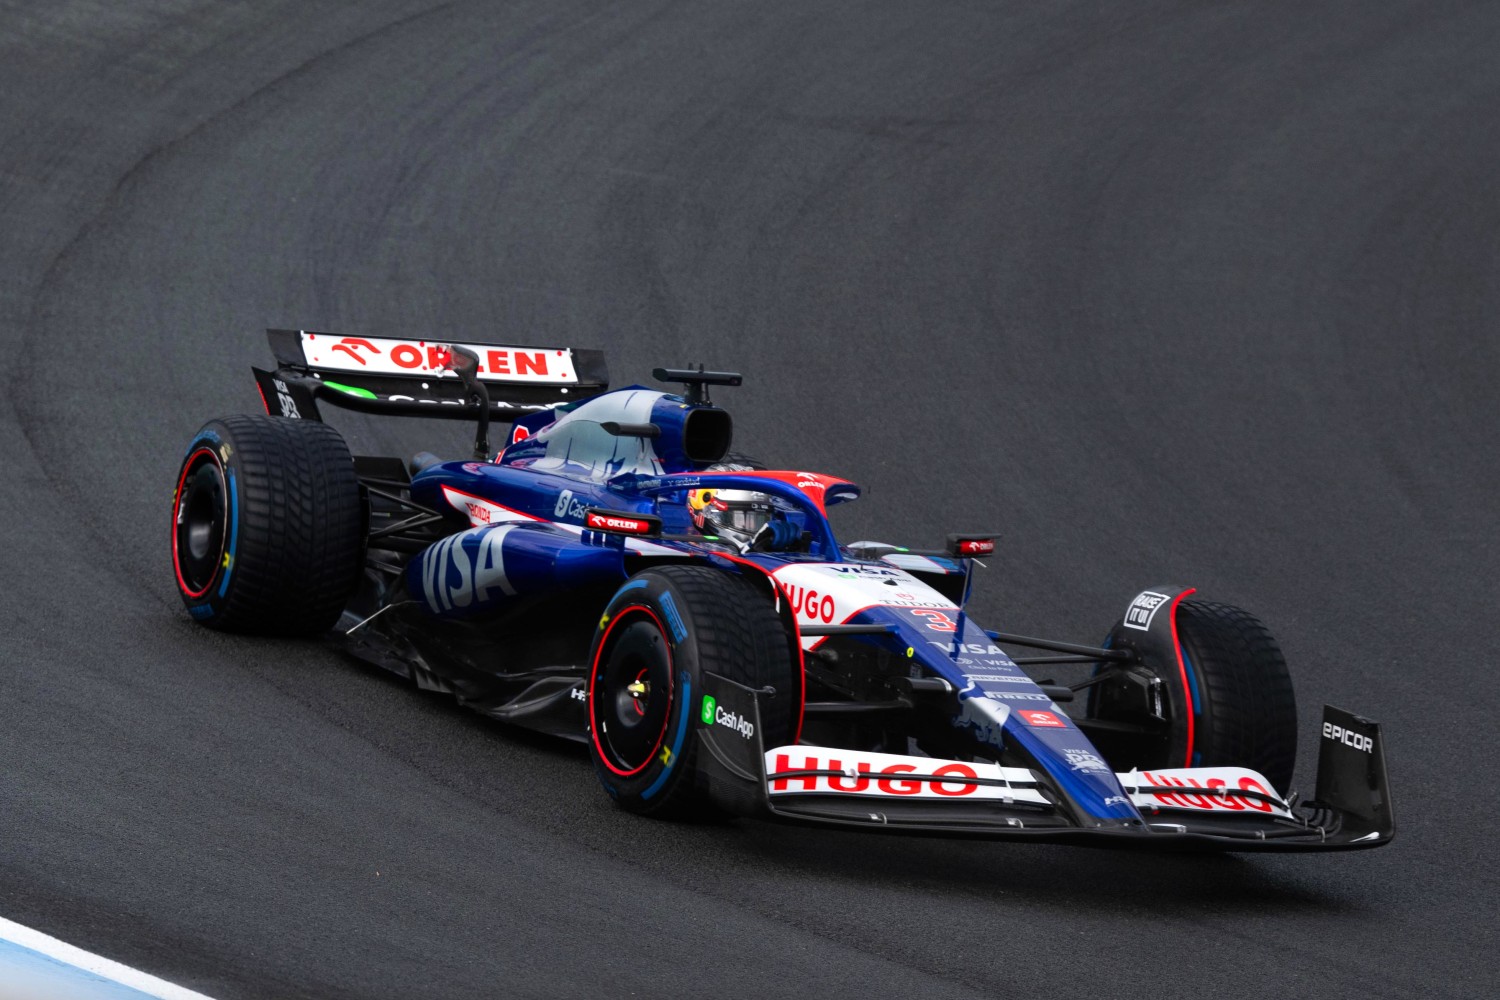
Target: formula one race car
x=614 y=575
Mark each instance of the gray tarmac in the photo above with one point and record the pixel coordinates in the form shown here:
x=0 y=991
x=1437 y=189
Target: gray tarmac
x=1164 y=291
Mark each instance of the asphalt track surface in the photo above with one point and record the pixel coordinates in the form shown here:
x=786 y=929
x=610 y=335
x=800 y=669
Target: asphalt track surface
x=1164 y=291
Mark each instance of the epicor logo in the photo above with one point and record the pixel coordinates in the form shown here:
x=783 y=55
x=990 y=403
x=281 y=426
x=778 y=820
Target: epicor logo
x=1348 y=737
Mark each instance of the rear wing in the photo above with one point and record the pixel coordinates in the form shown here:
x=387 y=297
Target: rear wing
x=412 y=377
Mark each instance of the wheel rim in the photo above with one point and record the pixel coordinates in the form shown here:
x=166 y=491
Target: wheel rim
x=200 y=523
x=630 y=696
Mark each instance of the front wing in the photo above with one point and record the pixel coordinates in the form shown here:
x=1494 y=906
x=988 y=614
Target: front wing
x=1182 y=809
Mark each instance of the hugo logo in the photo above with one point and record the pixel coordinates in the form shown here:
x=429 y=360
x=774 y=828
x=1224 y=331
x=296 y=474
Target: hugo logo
x=809 y=604
x=859 y=778
x=1180 y=793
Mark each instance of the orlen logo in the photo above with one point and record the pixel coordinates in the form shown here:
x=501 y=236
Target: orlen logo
x=1042 y=720
x=1234 y=803
x=420 y=357
x=1348 y=737
x=352 y=346
x=863 y=780
x=606 y=522
x=976 y=547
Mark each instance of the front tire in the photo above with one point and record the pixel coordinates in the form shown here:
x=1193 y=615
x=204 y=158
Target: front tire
x=267 y=526
x=1246 y=707
x=658 y=635
x=1237 y=708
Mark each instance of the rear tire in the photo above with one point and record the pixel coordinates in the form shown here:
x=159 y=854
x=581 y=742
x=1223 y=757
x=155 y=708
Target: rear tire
x=658 y=635
x=268 y=526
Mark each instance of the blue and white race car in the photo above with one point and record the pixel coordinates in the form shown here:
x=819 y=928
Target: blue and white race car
x=615 y=575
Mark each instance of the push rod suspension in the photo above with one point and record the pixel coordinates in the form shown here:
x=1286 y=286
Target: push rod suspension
x=1062 y=658
x=1092 y=652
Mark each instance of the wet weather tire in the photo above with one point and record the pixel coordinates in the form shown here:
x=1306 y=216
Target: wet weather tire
x=268 y=526
x=1247 y=710
x=660 y=632
x=1229 y=702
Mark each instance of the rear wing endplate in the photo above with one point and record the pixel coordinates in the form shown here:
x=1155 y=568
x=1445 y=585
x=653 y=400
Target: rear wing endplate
x=406 y=377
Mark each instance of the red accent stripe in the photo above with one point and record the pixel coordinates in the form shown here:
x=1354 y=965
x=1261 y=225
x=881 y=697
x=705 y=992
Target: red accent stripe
x=1187 y=688
x=176 y=500
x=671 y=689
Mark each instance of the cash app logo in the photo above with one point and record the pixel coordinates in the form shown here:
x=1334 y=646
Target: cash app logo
x=708 y=709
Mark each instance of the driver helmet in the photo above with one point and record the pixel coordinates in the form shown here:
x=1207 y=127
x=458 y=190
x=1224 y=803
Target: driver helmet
x=734 y=514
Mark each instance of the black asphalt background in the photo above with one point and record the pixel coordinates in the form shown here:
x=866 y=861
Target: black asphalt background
x=1199 y=292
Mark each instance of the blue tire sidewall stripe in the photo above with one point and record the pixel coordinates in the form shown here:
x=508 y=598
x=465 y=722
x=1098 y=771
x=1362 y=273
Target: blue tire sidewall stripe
x=1192 y=676
x=682 y=725
x=234 y=531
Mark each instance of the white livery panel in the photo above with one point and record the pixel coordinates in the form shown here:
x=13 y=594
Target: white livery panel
x=833 y=593
x=1184 y=787
x=885 y=775
x=385 y=356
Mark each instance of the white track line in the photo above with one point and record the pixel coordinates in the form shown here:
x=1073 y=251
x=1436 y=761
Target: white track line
x=98 y=965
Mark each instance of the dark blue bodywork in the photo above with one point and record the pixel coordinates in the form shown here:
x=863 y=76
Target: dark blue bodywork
x=492 y=579
x=528 y=541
